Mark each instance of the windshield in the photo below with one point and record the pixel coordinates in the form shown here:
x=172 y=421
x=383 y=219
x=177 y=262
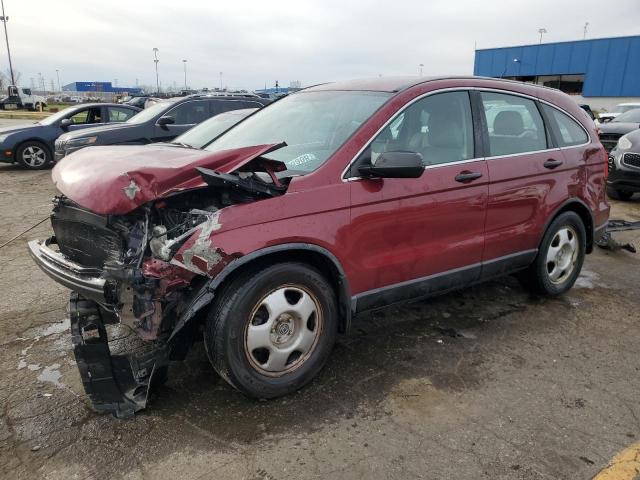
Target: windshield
x=149 y=113
x=313 y=125
x=208 y=130
x=632 y=116
x=56 y=117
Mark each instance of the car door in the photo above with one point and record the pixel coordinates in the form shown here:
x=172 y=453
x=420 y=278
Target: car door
x=525 y=172
x=414 y=237
x=185 y=115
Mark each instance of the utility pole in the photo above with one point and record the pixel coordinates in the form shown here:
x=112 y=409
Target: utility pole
x=421 y=67
x=584 y=30
x=4 y=19
x=155 y=59
x=542 y=31
x=220 y=81
x=184 y=62
x=58 y=76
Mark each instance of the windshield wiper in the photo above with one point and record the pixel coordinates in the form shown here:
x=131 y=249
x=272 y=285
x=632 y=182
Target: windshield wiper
x=180 y=144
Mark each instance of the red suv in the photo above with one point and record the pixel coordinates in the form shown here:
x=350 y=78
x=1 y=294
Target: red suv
x=336 y=200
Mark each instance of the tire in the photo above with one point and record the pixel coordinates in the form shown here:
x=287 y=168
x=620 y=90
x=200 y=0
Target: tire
x=553 y=275
x=619 y=194
x=33 y=155
x=267 y=356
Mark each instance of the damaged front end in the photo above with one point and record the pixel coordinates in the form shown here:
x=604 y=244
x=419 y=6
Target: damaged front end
x=145 y=269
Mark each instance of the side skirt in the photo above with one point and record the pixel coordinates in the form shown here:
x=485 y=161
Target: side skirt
x=441 y=283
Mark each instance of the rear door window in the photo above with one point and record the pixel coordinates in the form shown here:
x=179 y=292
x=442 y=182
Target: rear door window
x=568 y=131
x=221 y=106
x=514 y=124
x=189 y=113
x=119 y=114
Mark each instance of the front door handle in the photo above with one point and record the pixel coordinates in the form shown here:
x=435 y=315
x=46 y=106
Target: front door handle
x=552 y=163
x=466 y=176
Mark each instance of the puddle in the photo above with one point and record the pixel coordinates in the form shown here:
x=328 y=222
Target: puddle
x=51 y=374
x=588 y=279
x=56 y=328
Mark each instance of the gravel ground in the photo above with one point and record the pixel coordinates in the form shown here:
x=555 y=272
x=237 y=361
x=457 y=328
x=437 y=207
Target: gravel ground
x=483 y=383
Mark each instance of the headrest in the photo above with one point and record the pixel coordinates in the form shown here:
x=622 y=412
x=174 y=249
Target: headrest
x=508 y=122
x=444 y=133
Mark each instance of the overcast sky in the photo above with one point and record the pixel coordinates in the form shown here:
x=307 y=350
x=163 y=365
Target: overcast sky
x=258 y=42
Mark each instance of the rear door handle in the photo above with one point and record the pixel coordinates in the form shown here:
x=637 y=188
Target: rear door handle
x=465 y=177
x=552 y=163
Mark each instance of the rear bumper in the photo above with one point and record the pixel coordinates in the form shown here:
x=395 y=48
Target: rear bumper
x=599 y=231
x=86 y=281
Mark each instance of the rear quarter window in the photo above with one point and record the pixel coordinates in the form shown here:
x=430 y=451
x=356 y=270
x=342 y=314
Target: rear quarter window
x=567 y=131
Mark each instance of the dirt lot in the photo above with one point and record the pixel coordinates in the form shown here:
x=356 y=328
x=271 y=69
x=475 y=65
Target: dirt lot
x=483 y=383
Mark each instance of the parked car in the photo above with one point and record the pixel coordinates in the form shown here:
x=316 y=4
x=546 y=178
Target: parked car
x=160 y=122
x=611 y=132
x=205 y=132
x=31 y=145
x=330 y=202
x=619 y=109
x=624 y=167
x=137 y=101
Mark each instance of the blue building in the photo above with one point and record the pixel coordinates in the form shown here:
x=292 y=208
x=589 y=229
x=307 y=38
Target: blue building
x=98 y=87
x=603 y=71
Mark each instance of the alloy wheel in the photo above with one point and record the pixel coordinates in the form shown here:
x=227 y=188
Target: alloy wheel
x=34 y=156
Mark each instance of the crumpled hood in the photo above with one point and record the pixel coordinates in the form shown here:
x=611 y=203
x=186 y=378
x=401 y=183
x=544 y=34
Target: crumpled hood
x=118 y=179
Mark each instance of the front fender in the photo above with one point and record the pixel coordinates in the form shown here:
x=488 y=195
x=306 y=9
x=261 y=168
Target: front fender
x=206 y=293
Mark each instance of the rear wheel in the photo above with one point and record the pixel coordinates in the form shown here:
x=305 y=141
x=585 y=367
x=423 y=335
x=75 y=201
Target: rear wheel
x=270 y=333
x=33 y=155
x=559 y=258
x=619 y=194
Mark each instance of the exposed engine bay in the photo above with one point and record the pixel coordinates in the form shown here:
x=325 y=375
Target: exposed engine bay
x=144 y=270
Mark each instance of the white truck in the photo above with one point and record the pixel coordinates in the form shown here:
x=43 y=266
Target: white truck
x=22 y=98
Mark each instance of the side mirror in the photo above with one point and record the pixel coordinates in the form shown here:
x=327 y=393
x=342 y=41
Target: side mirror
x=65 y=123
x=166 y=120
x=394 y=165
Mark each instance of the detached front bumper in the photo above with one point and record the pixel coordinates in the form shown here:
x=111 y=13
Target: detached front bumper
x=85 y=281
x=117 y=384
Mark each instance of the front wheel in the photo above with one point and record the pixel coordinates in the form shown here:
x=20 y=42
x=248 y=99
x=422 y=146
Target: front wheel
x=560 y=257
x=271 y=332
x=33 y=155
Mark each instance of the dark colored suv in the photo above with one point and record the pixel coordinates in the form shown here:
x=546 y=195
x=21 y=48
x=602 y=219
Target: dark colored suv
x=161 y=122
x=330 y=202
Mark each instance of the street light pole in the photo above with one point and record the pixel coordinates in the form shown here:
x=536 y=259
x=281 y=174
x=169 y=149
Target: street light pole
x=421 y=67
x=155 y=59
x=4 y=19
x=58 y=76
x=584 y=30
x=184 y=62
x=220 y=81
x=542 y=31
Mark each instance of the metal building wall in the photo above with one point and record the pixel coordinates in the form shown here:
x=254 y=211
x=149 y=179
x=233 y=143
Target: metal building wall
x=611 y=66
